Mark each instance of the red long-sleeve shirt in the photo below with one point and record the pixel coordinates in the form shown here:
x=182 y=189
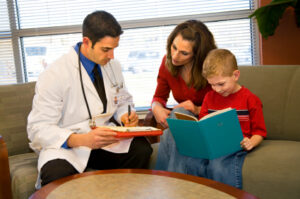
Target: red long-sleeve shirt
x=181 y=92
x=247 y=105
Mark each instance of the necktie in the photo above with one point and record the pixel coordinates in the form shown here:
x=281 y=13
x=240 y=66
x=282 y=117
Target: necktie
x=99 y=85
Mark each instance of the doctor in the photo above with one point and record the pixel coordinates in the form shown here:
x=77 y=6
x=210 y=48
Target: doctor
x=69 y=103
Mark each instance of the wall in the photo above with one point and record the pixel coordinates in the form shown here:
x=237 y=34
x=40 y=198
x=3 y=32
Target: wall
x=284 y=46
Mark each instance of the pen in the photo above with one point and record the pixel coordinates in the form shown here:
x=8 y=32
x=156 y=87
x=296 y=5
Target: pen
x=129 y=112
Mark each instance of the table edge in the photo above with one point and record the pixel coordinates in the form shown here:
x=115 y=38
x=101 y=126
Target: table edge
x=238 y=193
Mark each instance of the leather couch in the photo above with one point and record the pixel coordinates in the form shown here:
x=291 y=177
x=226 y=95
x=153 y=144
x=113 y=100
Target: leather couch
x=272 y=170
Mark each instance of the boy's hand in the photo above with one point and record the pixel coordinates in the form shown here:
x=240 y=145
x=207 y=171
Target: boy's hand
x=246 y=144
x=249 y=143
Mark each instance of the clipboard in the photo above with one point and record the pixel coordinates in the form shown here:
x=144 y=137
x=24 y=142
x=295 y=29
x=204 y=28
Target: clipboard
x=137 y=131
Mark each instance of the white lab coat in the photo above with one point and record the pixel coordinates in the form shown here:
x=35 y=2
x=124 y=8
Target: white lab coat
x=59 y=109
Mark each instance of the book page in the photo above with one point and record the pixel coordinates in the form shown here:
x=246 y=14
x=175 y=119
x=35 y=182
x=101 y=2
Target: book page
x=183 y=116
x=131 y=129
x=216 y=113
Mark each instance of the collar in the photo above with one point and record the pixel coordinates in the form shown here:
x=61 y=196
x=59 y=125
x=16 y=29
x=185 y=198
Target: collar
x=87 y=64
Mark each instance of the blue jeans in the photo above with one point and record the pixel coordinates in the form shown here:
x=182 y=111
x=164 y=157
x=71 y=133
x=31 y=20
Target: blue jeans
x=226 y=169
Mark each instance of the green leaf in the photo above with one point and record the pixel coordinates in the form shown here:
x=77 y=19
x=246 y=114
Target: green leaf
x=268 y=16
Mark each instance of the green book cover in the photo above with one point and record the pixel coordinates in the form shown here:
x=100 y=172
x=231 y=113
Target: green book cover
x=217 y=135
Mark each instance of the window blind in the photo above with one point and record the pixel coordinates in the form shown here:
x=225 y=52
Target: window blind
x=4 y=22
x=43 y=30
x=7 y=67
x=45 y=13
x=142 y=59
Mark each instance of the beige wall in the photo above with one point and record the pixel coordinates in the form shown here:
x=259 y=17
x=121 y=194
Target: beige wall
x=284 y=46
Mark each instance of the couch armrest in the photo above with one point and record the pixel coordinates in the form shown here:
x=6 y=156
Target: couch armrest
x=5 y=182
x=150 y=120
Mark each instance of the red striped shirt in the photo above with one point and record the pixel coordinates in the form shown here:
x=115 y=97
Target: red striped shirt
x=247 y=105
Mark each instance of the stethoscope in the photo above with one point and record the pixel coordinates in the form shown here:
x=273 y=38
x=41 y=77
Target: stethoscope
x=92 y=122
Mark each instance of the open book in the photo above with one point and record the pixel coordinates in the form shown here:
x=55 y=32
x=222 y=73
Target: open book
x=215 y=135
x=183 y=116
x=123 y=131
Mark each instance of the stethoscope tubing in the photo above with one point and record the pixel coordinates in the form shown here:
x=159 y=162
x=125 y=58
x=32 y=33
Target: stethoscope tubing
x=82 y=87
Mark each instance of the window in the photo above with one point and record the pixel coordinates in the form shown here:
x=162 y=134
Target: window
x=7 y=66
x=32 y=35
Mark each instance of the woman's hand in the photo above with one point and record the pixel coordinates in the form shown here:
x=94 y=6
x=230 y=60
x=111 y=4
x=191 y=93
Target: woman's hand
x=160 y=113
x=190 y=106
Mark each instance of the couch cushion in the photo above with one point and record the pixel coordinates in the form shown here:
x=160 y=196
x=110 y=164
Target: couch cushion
x=278 y=88
x=153 y=157
x=272 y=170
x=23 y=172
x=15 y=105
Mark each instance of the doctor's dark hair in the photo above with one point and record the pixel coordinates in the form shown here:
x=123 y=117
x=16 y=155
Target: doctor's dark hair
x=100 y=24
x=202 y=40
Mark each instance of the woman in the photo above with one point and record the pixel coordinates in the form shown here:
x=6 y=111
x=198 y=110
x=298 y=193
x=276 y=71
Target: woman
x=181 y=72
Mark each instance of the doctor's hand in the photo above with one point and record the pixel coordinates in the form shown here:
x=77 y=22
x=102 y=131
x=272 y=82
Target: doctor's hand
x=131 y=120
x=95 y=139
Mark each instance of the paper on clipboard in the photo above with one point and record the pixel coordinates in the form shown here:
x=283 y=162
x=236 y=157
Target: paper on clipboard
x=123 y=131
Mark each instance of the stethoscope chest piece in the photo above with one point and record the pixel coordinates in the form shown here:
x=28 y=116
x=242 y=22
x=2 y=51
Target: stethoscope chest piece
x=92 y=123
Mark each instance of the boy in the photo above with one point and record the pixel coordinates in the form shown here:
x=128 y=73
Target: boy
x=221 y=71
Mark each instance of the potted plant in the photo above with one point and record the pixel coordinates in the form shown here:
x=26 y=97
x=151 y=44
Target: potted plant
x=268 y=16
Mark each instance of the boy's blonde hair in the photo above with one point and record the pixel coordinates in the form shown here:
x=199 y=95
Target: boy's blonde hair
x=219 y=62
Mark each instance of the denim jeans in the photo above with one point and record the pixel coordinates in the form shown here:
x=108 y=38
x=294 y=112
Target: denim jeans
x=226 y=169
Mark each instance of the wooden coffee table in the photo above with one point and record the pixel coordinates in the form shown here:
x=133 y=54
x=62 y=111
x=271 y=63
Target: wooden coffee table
x=137 y=183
